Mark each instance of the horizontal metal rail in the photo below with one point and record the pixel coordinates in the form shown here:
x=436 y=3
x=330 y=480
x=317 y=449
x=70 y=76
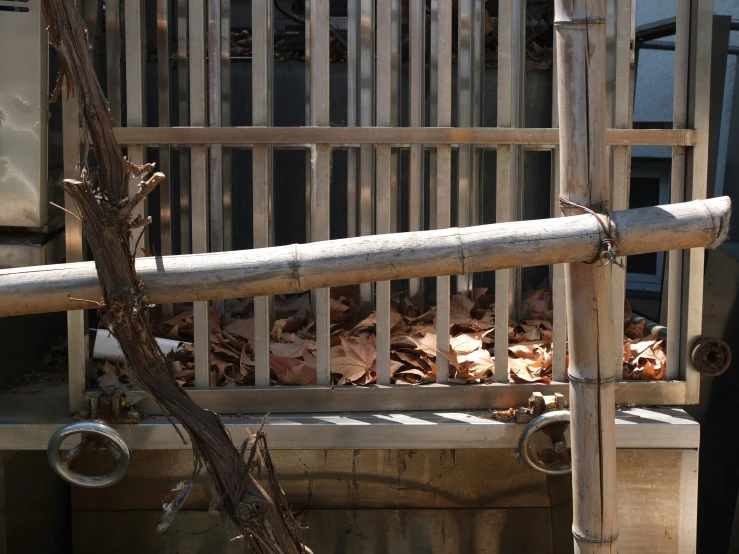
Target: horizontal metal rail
x=393 y=136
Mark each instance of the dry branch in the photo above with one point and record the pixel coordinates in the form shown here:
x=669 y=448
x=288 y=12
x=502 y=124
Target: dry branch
x=105 y=210
x=297 y=268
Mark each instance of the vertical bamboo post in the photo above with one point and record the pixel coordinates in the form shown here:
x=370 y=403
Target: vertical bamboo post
x=581 y=56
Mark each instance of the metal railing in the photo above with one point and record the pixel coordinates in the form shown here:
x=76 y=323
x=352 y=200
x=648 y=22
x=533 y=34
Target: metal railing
x=374 y=139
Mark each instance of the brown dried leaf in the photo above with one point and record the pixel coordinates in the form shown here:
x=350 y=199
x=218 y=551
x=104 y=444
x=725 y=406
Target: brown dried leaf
x=371 y=321
x=428 y=317
x=339 y=311
x=289 y=349
x=468 y=342
x=243 y=328
x=176 y=320
x=426 y=343
x=358 y=359
x=451 y=358
x=524 y=349
x=478 y=364
x=519 y=371
x=286 y=307
x=291 y=371
x=410 y=358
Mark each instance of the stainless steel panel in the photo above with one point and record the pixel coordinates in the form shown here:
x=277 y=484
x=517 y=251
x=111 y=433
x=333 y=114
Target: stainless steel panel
x=77 y=334
x=28 y=420
x=677 y=183
x=384 y=170
x=559 y=304
x=366 y=119
x=165 y=191
x=199 y=179
x=133 y=11
x=443 y=178
x=183 y=106
x=352 y=85
x=262 y=60
x=417 y=119
x=226 y=122
x=621 y=170
x=320 y=177
x=165 y=166
x=465 y=96
x=701 y=22
x=24 y=193
x=395 y=50
x=30 y=250
x=215 y=166
x=113 y=58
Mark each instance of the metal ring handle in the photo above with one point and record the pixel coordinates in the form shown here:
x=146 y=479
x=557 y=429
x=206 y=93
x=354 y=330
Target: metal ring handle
x=59 y=461
x=534 y=426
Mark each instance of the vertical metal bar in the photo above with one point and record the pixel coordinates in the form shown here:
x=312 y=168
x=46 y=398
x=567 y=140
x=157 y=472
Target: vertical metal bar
x=262 y=60
x=384 y=177
x=443 y=179
x=478 y=96
x=214 y=120
x=135 y=48
x=701 y=24
x=215 y=165
x=165 y=201
x=621 y=154
x=366 y=119
x=321 y=176
x=113 y=57
x=183 y=100
x=226 y=176
x=677 y=181
x=511 y=36
x=395 y=113
x=165 y=190
x=199 y=180
x=308 y=103
x=559 y=299
x=417 y=119
x=77 y=336
x=464 y=119
x=351 y=114
x=433 y=104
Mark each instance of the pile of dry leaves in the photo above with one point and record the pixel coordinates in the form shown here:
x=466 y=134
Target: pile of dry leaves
x=644 y=356
x=413 y=342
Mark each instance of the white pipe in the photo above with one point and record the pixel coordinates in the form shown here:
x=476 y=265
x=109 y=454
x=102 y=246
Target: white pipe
x=107 y=348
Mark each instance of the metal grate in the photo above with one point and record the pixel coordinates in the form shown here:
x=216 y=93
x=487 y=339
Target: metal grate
x=394 y=128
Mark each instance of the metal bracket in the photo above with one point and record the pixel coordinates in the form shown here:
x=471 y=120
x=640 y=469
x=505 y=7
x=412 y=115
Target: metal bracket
x=556 y=423
x=113 y=442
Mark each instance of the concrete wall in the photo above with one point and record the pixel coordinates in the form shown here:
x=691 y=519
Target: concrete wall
x=401 y=501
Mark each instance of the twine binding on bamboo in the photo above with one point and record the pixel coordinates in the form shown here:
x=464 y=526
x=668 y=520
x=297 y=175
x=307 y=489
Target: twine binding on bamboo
x=606 y=254
x=601 y=540
x=591 y=381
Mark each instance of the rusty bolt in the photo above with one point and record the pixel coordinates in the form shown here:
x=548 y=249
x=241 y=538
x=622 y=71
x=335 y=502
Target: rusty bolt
x=711 y=356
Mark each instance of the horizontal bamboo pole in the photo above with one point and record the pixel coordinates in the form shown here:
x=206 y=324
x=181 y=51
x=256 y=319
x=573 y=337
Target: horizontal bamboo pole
x=297 y=268
x=394 y=136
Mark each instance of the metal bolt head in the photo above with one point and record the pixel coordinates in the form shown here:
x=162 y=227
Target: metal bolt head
x=560 y=447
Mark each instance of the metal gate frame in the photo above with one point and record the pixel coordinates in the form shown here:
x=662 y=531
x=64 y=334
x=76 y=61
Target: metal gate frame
x=372 y=190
